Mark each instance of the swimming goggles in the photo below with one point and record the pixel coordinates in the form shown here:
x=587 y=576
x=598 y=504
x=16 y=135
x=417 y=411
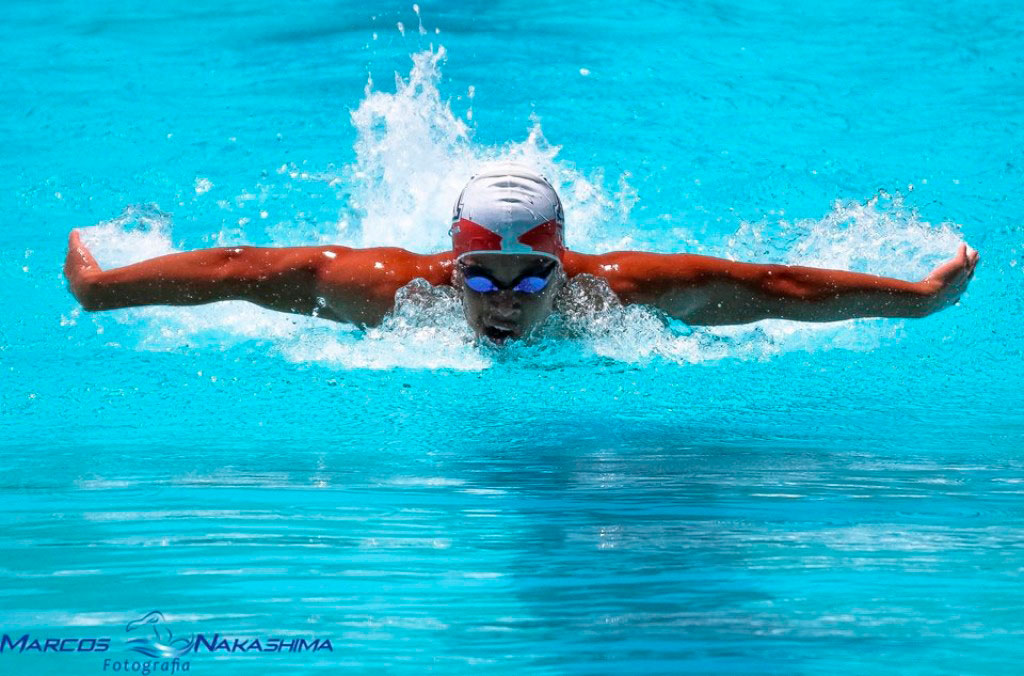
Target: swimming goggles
x=528 y=283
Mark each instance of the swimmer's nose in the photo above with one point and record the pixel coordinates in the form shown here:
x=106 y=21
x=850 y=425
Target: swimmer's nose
x=506 y=312
x=507 y=303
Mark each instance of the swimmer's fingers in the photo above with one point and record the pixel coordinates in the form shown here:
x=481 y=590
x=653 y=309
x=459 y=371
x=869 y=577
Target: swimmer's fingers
x=75 y=242
x=972 y=258
x=79 y=253
x=80 y=267
x=956 y=269
x=949 y=280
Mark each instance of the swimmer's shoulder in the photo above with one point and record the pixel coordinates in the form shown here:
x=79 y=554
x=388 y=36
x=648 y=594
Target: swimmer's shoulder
x=641 y=276
x=607 y=266
x=383 y=265
x=612 y=265
x=359 y=285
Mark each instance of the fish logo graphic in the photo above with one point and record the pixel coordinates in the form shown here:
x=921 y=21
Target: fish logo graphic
x=158 y=641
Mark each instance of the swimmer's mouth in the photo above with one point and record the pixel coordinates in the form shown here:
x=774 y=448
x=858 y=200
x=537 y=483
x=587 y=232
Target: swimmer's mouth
x=497 y=334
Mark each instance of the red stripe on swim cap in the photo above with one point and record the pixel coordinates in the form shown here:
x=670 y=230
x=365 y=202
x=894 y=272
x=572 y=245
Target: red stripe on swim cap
x=546 y=237
x=470 y=236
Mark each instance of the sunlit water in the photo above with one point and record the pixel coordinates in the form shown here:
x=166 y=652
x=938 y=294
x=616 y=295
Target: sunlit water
x=625 y=493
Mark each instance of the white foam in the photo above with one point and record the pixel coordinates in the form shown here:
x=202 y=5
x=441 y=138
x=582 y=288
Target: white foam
x=880 y=236
x=426 y=330
x=203 y=185
x=140 y=232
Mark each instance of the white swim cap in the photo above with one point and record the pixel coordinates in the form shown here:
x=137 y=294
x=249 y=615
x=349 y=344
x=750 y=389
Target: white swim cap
x=508 y=208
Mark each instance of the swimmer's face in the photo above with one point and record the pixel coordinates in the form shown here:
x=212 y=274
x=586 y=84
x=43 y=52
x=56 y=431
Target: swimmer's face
x=496 y=292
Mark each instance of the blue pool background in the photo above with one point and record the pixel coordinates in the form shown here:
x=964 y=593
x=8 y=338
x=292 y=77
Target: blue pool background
x=785 y=498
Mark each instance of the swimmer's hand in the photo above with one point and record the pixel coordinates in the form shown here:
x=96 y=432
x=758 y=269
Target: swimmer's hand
x=80 y=268
x=948 y=281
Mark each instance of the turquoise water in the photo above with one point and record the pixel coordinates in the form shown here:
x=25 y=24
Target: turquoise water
x=622 y=495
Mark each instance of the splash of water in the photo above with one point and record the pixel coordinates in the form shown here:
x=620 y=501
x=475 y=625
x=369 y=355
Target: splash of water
x=880 y=236
x=426 y=330
x=141 y=231
x=413 y=154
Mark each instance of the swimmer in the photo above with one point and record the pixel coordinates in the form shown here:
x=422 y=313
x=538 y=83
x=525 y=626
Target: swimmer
x=508 y=262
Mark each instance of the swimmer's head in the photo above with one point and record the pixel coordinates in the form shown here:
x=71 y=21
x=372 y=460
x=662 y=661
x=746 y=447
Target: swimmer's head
x=507 y=236
x=505 y=296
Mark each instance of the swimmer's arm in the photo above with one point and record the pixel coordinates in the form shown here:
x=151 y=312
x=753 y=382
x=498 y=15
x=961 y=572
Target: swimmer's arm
x=714 y=291
x=332 y=282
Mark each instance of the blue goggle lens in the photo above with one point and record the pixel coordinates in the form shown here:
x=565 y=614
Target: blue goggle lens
x=531 y=284
x=481 y=284
x=525 y=285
